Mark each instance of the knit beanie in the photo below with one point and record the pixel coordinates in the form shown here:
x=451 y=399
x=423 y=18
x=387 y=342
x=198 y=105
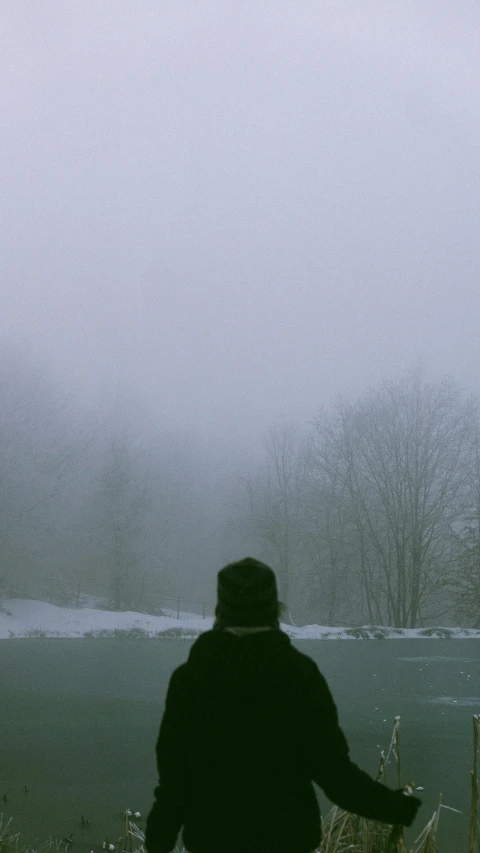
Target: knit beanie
x=247 y=594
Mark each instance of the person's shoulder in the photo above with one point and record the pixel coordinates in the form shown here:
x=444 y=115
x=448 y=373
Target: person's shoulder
x=307 y=668
x=303 y=661
x=179 y=677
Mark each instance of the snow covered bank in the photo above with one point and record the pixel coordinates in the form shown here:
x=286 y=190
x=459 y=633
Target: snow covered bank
x=37 y=619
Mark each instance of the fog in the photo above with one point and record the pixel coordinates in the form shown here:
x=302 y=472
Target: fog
x=216 y=217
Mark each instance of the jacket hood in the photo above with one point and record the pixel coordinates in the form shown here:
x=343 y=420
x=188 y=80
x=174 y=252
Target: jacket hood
x=227 y=657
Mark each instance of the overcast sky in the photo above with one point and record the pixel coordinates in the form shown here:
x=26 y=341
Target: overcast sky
x=237 y=209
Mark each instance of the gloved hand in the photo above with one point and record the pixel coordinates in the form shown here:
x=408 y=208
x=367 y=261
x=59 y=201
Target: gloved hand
x=408 y=807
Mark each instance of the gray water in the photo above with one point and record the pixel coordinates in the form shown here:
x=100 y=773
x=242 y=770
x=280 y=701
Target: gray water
x=79 y=721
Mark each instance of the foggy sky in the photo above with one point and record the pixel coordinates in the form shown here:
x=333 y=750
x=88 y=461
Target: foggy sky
x=233 y=210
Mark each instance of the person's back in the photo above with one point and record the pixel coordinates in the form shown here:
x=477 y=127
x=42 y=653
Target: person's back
x=249 y=724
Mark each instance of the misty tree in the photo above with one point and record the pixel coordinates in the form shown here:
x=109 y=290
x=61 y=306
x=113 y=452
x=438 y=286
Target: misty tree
x=404 y=453
x=466 y=577
x=274 y=501
x=120 y=503
x=178 y=522
x=146 y=497
x=329 y=595
x=41 y=448
x=467 y=590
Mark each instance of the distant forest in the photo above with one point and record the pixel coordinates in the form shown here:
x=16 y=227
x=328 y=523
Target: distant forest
x=369 y=514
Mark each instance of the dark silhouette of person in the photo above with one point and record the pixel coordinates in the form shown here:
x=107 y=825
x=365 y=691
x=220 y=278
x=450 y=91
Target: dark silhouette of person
x=249 y=723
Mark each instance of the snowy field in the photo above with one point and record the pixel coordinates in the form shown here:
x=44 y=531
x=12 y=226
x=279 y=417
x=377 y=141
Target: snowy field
x=21 y=618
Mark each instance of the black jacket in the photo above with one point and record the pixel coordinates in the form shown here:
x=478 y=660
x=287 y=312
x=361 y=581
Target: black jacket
x=249 y=722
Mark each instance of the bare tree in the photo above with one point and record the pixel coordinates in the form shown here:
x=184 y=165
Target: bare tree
x=330 y=596
x=177 y=516
x=403 y=454
x=120 y=503
x=41 y=448
x=274 y=503
x=466 y=577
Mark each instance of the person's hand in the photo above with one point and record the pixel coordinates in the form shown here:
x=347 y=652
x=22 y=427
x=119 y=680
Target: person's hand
x=408 y=807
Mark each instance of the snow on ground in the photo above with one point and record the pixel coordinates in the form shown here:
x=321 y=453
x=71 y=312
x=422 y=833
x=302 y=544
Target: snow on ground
x=36 y=619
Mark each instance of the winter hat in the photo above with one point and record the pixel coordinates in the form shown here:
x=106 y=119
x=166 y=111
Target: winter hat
x=247 y=594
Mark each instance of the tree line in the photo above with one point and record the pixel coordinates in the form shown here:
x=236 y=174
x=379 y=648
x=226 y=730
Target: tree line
x=368 y=514
x=91 y=506
x=372 y=514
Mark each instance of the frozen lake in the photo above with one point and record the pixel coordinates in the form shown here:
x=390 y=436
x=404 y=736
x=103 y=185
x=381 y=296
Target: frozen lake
x=79 y=721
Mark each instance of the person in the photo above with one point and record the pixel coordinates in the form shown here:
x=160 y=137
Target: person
x=249 y=724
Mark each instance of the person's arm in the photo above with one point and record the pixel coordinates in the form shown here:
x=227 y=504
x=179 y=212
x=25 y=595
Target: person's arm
x=332 y=769
x=166 y=816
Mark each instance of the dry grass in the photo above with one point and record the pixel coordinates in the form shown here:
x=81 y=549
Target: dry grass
x=347 y=832
x=342 y=832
